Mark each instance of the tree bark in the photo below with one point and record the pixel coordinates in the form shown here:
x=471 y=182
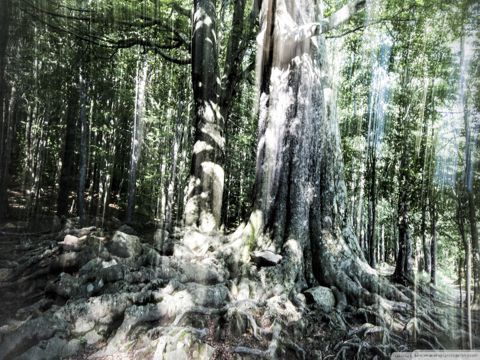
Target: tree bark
x=137 y=135
x=472 y=219
x=404 y=263
x=6 y=127
x=68 y=156
x=468 y=266
x=433 y=244
x=425 y=202
x=372 y=206
x=299 y=187
x=460 y=281
x=83 y=151
x=171 y=183
x=205 y=192
x=469 y=178
x=41 y=139
x=233 y=62
x=468 y=291
x=230 y=80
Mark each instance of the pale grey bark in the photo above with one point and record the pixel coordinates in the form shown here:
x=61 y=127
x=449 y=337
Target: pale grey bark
x=468 y=287
x=299 y=189
x=205 y=190
x=468 y=191
x=137 y=134
x=171 y=183
x=83 y=151
x=433 y=245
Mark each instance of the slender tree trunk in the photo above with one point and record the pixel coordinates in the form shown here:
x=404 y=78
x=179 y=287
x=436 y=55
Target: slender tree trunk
x=95 y=164
x=27 y=173
x=231 y=77
x=426 y=258
x=372 y=207
x=359 y=209
x=205 y=191
x=472 y=217
x=425 y=181
x=83 y=152
x=5 y=15
x=433 y=244
x=381 y=246
x=432 y=200
x=404 y=262
x=102 y=167
x=475 y=250
x=159 y=212
x=237 y=46
x=468 y=264
x=171 y=184
x=137 y=135
x=469 y=178
x=404 y=259
x=108 y=172
x=6 y=126
x=460 y=281
x=35 y=164
x=67 y=176
x=9 y=140
x=39 y=166
x=184 y=164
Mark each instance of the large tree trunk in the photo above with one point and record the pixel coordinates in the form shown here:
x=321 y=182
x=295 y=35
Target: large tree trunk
x=137 y=135
x=299 y=188
x=205 y=193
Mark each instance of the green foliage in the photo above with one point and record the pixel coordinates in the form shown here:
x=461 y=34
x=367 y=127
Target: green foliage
x=424 y=69
x=415 y=42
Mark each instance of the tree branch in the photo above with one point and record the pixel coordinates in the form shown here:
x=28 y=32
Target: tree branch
x=342 y=15
x=156 y=48
x=113 y=44
x=357 y=28
x=133 y=23
x=127 y=43
x=363 y=26
x=181 y=10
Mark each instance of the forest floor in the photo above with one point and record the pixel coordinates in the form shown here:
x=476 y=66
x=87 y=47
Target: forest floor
x=112 y=293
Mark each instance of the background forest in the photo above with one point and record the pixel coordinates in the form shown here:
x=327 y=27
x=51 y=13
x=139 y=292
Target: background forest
x=105 y=107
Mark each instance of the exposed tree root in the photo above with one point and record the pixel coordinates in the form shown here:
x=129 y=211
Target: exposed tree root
x=88 y=300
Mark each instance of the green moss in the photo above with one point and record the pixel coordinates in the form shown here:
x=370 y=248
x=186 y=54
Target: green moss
x=183 y=335
x=251 y=241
